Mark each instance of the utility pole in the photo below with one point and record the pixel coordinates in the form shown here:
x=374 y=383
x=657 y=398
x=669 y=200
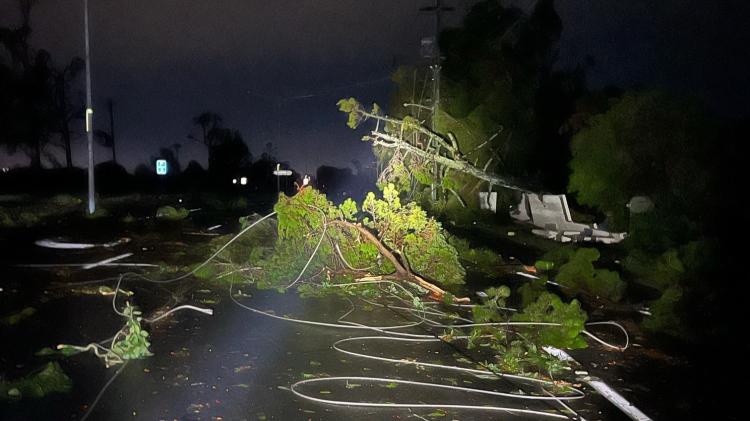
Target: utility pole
x=438 y=9
x=89 y=111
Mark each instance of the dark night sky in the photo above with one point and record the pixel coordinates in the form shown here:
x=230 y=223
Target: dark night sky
x=164 y=61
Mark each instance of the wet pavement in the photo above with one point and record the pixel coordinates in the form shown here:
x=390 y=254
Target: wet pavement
x=233 y=365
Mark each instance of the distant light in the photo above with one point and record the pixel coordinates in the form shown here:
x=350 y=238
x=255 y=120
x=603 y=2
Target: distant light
x=306 y=180
x=179 y=200
x=243 y=181
x=234 y=181
x=6 y=169
x=162 y=167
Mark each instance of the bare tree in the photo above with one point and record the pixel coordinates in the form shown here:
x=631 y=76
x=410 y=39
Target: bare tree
x=107 y=139
x=209 y=123
x=66 y=109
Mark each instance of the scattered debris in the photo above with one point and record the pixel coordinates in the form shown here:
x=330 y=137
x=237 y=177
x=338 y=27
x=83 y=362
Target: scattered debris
x=65 y=245
x=551 y=215
x=105 y=261
x=605 y=390
x=17 y=318
x=62 y=265
x=169 y=213
x=51 y=379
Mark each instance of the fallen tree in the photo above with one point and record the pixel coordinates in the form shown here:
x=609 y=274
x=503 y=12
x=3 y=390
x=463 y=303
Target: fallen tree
x=387 y=252
x=382 y=239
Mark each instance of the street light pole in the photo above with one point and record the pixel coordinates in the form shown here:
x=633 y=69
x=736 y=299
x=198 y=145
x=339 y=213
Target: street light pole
x=89 y=112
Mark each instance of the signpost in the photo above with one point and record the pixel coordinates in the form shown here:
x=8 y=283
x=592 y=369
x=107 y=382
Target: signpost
x=162 y=167
x=278 y=172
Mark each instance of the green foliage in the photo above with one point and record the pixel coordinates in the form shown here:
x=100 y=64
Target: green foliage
x=130 y=342
x=17 y=318
x=532 y=289
x=550 y=308
x=99 y=213
x=544 y=265
x=407 y=230
x=666 y=314
x=422 y=175
x=224 y=203
x=49 y=380
x=169 y=213
x=249 y=249
x=683 y=277
x=349 y=209
x=480 y=260
x=135 y=344
x=660 y=273
x=28 y=219
x=352 y=107
x=63 y=351
x=355 y=112
x=576 y=273
x=65 y=200
x=560 y=255
x=646 y=144
x=491 y=309
x=273 y=254
x=35 y=213
x=5 y=219
x=303 y=214
x=519 y=349
x=301 y=220
x=525 y=357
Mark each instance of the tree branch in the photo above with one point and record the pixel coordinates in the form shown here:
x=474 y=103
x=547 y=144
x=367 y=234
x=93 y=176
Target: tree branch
x=402 y=273
x=388 y=141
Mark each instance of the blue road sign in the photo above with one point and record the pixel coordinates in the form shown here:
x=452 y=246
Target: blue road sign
x=162 y=167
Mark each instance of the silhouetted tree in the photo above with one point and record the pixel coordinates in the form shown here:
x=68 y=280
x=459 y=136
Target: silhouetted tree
x=177 y=146
x=270 y=152
x=107 y=139
x=66 y=108
x=230 y=153
x=334 y=181
x=194 y=177
x=208 y=122
x=29 y=115
x=648 y=144
x=488 y=125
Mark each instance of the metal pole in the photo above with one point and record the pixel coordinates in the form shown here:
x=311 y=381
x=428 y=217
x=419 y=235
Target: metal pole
x=276 y=173
x=89 y=111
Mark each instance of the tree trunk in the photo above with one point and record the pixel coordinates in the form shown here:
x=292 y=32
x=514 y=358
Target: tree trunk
x=65 y=133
